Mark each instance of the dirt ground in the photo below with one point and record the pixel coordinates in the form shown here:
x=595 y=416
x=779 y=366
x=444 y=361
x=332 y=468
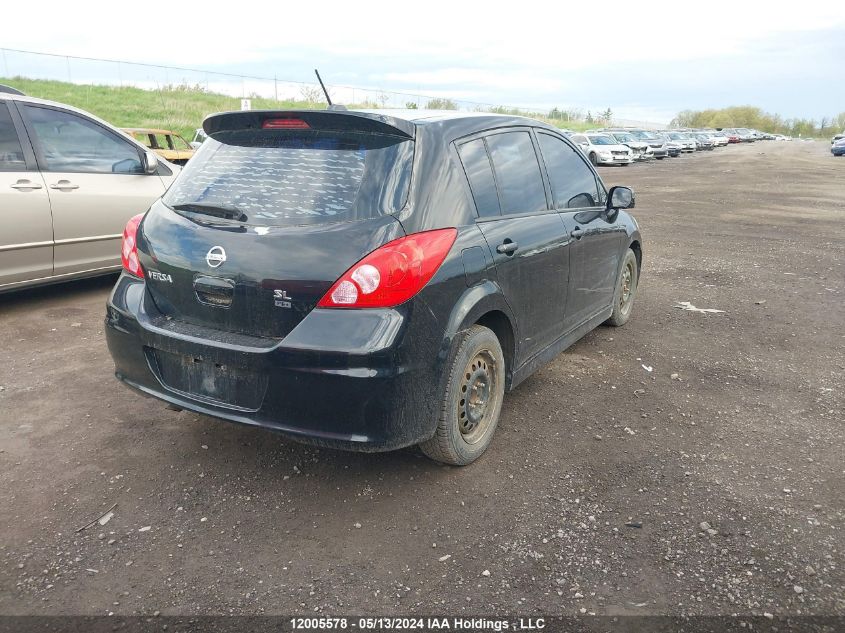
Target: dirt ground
x=686 y=463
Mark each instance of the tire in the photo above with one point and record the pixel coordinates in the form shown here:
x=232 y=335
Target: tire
x=464 y=430
x=594 y=159
x=626 y=290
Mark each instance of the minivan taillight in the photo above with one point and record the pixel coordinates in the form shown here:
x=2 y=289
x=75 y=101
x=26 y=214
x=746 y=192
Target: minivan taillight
x=393 y=273
x=129 y=250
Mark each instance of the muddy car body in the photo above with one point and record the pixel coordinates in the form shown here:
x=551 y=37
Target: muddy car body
x=338 y=304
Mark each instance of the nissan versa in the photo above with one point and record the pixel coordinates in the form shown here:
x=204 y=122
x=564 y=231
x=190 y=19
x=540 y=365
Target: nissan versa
x=369 y=281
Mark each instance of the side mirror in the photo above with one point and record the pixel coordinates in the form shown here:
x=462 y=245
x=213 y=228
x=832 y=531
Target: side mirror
x=620 y=198
x=150 y=162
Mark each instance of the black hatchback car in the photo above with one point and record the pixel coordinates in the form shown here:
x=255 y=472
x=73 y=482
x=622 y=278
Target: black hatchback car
x=369 y=280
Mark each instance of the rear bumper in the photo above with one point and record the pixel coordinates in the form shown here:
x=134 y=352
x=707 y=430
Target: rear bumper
x=362 y=380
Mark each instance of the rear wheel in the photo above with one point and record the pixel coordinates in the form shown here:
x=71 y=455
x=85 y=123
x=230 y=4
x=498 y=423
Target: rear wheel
x=594 y=159
x=472 y=402
x=626 y=290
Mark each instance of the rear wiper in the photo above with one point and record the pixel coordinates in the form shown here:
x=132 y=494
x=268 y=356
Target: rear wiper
x=215 y=210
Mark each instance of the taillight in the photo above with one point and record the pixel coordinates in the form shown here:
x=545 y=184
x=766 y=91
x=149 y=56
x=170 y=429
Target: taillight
x=393 y=273
x=285 y=123
x=129 y=250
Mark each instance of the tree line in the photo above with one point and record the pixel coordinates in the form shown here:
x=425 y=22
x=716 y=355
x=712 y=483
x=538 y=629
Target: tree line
x=756 y=118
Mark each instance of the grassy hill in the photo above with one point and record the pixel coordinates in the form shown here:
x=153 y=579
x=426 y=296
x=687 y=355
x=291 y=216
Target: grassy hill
x=178 y=108
x=175 y=108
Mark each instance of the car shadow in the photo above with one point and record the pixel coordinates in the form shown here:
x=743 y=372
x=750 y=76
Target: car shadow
x=76 y=290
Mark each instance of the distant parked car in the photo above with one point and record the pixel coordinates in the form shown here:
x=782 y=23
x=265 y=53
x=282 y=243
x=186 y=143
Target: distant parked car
x=732 y=134
x=837 y=137
x=641 y=149
x=838 y=148
x=68 y=183
x=200 y=136
x=673 y=147
x=601 y=149
x=746 y=135
x=169 y=145
x=687 y=143
x=655 y=141
x=704 y=141
x=719 y=139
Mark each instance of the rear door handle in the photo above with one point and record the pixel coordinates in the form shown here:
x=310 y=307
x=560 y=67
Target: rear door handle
x=507 y=247
x=64 y=185
x=25 y=185
x=577 y=233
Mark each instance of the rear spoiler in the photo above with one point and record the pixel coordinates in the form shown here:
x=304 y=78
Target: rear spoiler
x=333 y=120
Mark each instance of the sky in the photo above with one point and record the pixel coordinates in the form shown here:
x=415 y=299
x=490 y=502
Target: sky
x=644 y=60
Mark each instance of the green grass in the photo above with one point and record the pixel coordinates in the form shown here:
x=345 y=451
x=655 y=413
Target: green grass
x=178 y=108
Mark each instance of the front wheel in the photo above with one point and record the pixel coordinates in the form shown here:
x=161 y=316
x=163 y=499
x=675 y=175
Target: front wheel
x=472 y=401
x=594 y=159
x=626 y=290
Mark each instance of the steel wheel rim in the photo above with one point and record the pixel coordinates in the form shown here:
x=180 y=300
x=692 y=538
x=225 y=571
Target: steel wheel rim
x=628 y=282
x=477 y=396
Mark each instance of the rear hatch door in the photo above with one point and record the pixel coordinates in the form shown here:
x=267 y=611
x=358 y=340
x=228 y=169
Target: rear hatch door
x=272 y=209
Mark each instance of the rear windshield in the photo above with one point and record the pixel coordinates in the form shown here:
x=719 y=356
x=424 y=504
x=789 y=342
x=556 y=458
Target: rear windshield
x=284 y=178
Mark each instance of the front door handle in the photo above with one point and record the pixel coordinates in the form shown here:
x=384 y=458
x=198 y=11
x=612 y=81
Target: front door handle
x=64 y=185
x=25 y=185
x=577 y=233
x=507 y=247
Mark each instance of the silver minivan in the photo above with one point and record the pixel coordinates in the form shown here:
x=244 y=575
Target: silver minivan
x=69 y=182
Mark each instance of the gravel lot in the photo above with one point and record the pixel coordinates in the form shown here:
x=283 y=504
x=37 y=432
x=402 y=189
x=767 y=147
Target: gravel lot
x=710 y=481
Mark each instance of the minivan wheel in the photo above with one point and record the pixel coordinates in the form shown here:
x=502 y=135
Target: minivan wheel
x=626 y=291
x=472 y=402
x=594 y=159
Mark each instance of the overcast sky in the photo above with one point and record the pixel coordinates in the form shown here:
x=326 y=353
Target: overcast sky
x=645 y=60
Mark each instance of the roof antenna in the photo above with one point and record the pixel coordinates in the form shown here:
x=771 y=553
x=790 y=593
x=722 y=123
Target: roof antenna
x=332 y=106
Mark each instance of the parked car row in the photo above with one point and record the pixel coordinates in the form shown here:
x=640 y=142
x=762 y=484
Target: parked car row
x=623 y=146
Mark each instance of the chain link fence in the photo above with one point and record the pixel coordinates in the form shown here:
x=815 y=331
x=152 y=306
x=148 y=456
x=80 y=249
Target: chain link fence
x=95 y=71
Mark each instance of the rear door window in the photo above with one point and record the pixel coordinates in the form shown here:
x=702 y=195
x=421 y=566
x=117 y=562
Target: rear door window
x=476 y=163
x=517 y=173
x=11 y=152
x=573 y=183
x=283 y=178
